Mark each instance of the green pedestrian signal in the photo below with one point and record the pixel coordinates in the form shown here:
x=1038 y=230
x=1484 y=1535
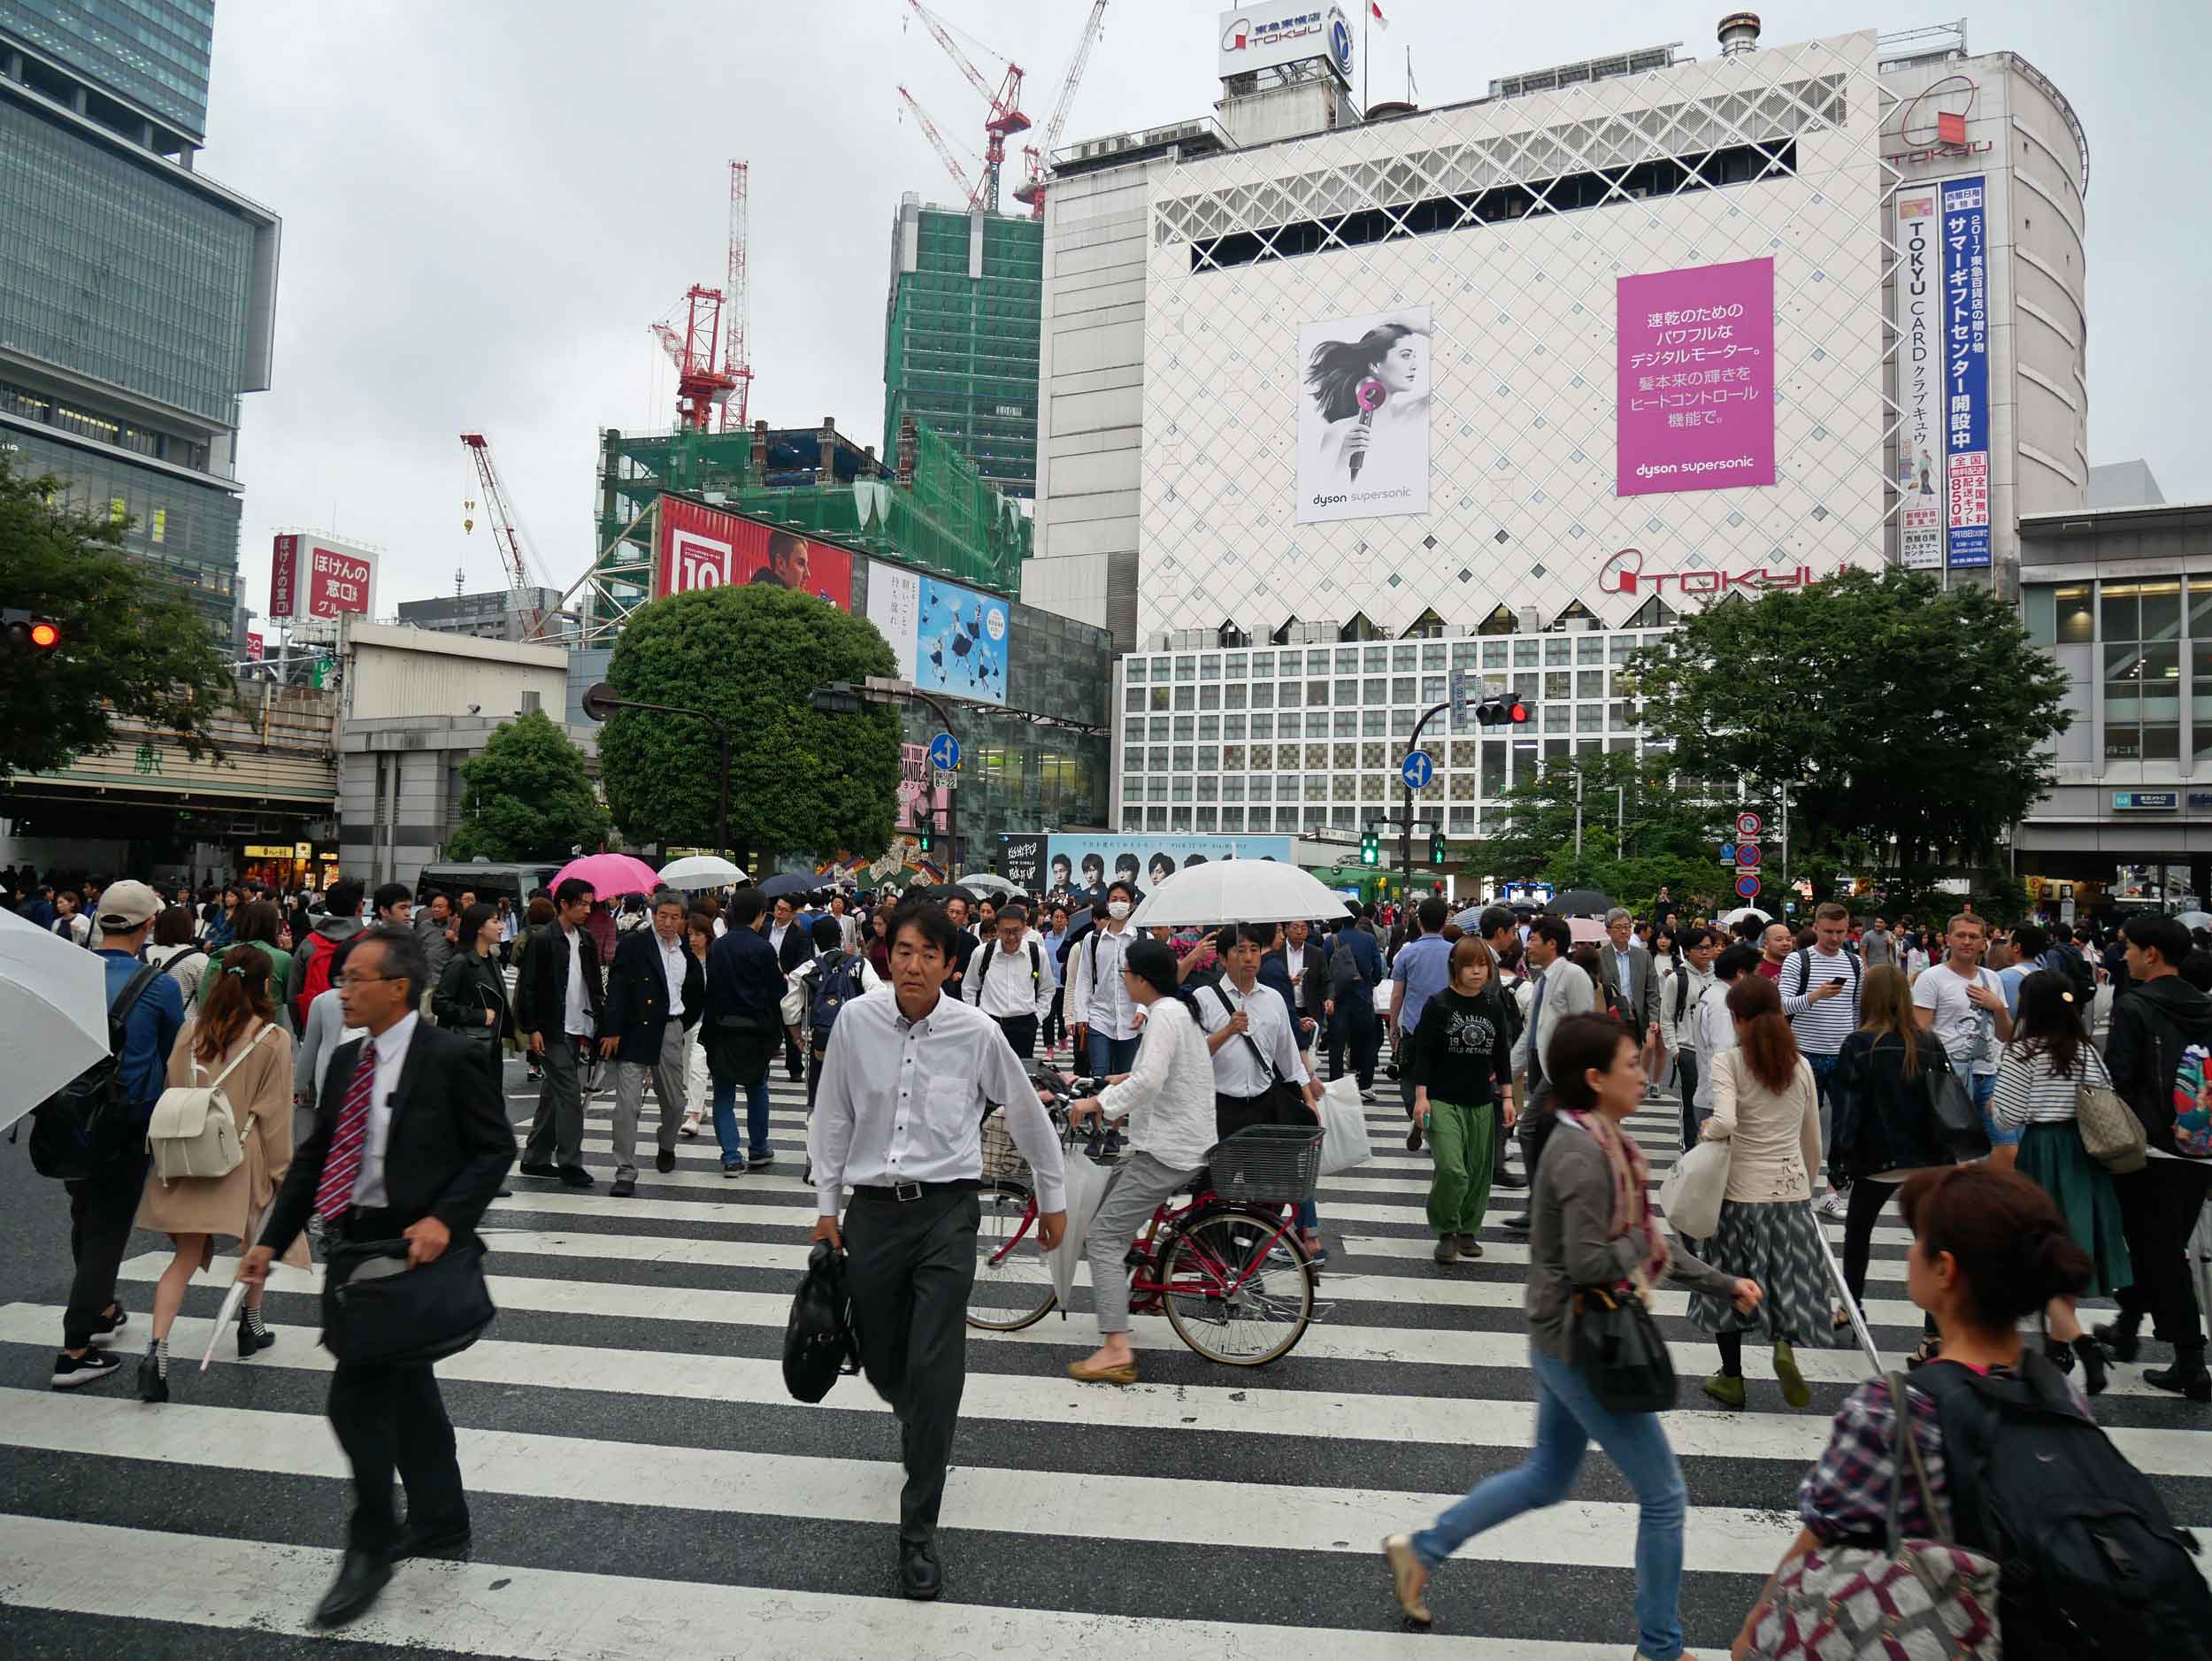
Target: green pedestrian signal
x=1370 y=848
x=1436 y=848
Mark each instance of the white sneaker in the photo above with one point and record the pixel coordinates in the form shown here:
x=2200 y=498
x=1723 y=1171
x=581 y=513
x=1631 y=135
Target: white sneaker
x=1834 y=1205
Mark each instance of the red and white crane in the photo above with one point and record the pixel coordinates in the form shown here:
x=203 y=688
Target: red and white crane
x=700 y=383
x=525 y=570
x=970 y=194
x=1006 y=114
x=737 y=308
x=1030 y=191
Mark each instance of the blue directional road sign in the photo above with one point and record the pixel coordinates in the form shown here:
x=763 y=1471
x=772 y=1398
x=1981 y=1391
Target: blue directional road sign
x=1418 y=769
x=1747 y=886
x=944 y=753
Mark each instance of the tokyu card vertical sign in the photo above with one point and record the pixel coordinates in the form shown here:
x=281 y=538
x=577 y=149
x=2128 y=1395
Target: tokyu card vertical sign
x=1966 y=370
x=1920 y=378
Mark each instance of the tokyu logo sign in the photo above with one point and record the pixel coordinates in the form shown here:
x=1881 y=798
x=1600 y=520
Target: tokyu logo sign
x=1625 y=573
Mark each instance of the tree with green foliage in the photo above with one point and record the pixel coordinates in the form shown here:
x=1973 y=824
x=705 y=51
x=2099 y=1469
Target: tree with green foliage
x=528 y=797
x=1917 y=719
x=132 y=647
x=801 y=782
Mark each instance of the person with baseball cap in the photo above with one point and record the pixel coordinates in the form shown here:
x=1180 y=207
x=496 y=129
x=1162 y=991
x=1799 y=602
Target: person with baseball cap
x=102 y=1205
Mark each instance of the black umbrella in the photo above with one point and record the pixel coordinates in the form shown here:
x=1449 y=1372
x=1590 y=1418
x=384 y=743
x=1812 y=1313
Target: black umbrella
x=1579 y=903
x=787 y=883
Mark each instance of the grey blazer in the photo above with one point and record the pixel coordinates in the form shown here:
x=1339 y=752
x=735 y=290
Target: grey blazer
x=1566 y=991
x=1646 y=1008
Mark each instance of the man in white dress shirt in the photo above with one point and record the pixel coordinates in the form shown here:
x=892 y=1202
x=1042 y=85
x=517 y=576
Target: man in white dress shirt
x=1254 y=1044
x=905 y=1083
x=1011 y=979
x=1099 y=1007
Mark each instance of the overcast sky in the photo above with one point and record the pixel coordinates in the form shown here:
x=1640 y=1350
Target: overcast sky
x=486 y=205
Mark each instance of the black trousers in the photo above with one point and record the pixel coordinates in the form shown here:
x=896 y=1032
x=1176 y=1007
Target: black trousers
x=1868 y=1199
x=1021 y=1031
x=1355 y=1026
x=794 y=1055
x=2158 y=1211
x=101 y=1209
x=1539 y=1118
x=392 y=1418
x=1686 y=1065
x=909 y=1267
x=1056 y=1019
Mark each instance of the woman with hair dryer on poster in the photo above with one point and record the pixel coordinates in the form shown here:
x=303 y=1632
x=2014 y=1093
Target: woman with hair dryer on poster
x=1372 y=393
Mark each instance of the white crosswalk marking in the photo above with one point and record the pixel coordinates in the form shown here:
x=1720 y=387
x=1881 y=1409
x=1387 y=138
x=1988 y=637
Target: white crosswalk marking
x=642 y=1483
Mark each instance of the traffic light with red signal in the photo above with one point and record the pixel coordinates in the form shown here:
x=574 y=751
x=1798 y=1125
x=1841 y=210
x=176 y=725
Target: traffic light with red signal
x=1503 y=711
x=26 y=631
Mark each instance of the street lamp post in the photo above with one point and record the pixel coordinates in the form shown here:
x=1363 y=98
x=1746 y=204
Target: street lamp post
x=842 y=697
x=600 y=702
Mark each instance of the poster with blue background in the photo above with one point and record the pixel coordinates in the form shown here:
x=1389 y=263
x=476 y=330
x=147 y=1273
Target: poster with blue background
x=960 y=641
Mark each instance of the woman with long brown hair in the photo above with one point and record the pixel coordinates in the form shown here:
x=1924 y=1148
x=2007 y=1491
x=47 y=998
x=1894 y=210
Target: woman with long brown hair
x=235 y=1039
x=1766 y=1109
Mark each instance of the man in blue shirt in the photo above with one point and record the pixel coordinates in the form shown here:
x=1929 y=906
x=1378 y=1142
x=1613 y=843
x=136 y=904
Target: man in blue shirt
x=1420 y=971
x=102 y=1205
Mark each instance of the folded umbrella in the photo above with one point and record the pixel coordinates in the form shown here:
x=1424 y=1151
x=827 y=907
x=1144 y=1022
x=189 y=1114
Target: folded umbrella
x=1087 y=1187
x=232 y=1302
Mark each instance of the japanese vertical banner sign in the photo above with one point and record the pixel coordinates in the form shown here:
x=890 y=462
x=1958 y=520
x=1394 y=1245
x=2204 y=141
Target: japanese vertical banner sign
x=1695 y=378
x=1920 y=361
x=1966 y=371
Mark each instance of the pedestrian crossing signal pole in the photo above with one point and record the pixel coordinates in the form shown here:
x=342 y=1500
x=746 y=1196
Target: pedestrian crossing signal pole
x=1405 y=825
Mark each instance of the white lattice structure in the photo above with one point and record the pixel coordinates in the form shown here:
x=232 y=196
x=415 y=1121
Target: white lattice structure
x=1523 y=509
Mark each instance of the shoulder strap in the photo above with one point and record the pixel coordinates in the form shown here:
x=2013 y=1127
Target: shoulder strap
x=1036 y=968
x=120 y=1010
x=1251 y=1043
x=244 y=1050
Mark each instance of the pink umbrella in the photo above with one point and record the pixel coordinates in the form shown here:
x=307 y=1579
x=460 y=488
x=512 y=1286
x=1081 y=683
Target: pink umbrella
x=610 y=875
x=1586 y=931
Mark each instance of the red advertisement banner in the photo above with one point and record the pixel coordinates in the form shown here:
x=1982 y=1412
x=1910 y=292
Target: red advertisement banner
x=706 y=547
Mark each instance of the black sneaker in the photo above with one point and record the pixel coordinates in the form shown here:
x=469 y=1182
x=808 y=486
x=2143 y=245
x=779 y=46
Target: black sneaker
x=762 y=1160
x=538 y=1168
x=105 y=1327
x=1507 y=1180
x=734 y=1167
x=625 y=1184
x=71 y=1371
x=573 y=1177
x=664 y=1162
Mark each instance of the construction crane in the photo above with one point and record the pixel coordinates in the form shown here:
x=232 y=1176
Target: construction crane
x=737 y=308
x=1030 y=191
x=972 y=194
x=514 y=552
x=1005 y=115
x=700 y=384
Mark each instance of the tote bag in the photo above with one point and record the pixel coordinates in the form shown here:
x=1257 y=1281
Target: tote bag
x=1691 y=1193
x=1344 y=1139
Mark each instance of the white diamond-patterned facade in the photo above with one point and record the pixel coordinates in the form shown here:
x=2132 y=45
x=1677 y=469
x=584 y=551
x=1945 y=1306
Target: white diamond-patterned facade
x=1773 y=155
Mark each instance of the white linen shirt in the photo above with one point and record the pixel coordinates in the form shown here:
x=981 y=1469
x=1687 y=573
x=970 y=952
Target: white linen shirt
x=1169 y=1094
x=1237 y=1071
x=1004 y=990
x=391 y=1058
x=904 y=1101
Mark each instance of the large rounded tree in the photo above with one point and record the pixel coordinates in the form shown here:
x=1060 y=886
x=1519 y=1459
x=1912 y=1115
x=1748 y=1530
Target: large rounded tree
x=800 y=781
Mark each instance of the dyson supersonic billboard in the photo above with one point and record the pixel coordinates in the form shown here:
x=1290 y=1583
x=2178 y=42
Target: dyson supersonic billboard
x=703 y=547
x=1695 y=373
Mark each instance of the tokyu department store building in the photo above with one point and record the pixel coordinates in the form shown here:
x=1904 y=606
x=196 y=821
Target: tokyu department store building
x=1509 y=385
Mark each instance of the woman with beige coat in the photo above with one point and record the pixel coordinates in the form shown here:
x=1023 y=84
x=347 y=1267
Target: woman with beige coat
x=236 y=1028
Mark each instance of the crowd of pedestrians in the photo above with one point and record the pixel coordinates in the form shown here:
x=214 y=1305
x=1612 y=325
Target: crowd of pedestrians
x=1819 y=1062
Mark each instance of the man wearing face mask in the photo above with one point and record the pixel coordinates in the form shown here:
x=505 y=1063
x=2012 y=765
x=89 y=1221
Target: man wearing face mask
x=1106 y=1016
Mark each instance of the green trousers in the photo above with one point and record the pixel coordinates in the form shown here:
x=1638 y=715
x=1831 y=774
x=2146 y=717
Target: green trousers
x=1460 y=1139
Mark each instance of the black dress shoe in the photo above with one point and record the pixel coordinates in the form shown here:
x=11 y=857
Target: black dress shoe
x=450 y=1539
x=362 y=1574
x=1519 y=1224
x=664 y=1161
x=573 y=1177
x=920 y=1577
x=1507 y=1180
x=538 y=1168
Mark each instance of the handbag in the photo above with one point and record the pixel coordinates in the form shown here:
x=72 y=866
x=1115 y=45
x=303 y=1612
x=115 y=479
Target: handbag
x=1619 y=1352
x=818 y=1344
x=1911 y=1597
x=2112 y=1136
x=194 y=1129
x=1344 y=1139
x=1691 y=1193
x=376 y=1307
x=1958 y=1122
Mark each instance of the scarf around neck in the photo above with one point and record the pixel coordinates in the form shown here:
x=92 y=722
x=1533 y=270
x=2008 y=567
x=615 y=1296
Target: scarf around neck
x=1631 y=1195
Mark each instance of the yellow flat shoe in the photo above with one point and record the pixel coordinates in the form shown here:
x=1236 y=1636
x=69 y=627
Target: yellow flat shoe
x=1408 y=1578
x=1126 y=1374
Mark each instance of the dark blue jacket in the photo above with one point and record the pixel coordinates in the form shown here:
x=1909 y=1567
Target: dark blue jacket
x=148 y=1031
x=744 y=979
x=1366 y=958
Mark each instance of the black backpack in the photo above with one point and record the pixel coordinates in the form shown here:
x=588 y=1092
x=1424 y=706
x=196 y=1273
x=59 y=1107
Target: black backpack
x=2091 y=1568
x=836 y=981
x=2076 y=968
x=818 y=1344
x=87 y=1127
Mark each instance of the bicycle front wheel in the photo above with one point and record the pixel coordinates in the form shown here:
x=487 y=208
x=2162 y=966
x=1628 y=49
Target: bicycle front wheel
x=1013 y=1282
x=1238 y=1291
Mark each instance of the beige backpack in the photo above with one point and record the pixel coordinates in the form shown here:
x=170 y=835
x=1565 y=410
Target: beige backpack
x=194 y=1131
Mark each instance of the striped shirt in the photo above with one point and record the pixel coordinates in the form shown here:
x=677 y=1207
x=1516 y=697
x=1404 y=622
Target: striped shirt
x=1820 y=1027
x=2031 y=1091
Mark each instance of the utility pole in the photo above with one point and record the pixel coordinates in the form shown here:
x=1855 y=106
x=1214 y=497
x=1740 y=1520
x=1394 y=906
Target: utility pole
x=1577 y=809
x=1620 y=821
x=1405 y=825
x=1786 y=846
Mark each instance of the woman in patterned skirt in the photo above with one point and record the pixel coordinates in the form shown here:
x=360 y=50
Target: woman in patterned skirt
x=1766 y=1109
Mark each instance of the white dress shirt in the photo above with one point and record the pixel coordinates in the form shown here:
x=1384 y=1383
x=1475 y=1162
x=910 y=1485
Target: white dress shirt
x=776 y=932
x=1294 y=961
x=1099 y=998
x=576 y=1017
x=904 y=1101
x=672 y=960
x=998 y=980
x=1169 y=1094
x=1237 y=1071
x=391 y=1058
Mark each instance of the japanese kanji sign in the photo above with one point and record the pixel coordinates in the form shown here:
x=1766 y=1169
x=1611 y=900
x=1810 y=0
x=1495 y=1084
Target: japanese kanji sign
x=1695 y=380
x=1966 y=371
x=1920 y=436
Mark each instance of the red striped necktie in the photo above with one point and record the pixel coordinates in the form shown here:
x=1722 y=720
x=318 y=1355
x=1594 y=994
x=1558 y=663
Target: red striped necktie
x=341 y=1164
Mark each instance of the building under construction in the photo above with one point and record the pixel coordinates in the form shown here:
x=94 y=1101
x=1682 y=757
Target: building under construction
x=960 y=336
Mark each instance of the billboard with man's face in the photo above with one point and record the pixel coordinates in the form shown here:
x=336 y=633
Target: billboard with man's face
x=703 y=547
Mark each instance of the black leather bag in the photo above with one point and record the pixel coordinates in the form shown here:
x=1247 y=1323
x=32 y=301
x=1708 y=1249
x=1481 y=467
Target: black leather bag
x=376 y=1309
x=1958 y=1122
x=1619 y=1352
x=818 y=1344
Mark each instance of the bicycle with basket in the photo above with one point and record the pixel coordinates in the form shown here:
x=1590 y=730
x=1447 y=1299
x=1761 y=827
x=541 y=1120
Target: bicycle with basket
x=1225 y=1267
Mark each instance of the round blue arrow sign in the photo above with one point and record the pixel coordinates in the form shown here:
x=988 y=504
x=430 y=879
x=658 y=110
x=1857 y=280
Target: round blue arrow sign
x=944 y=753
x=1418 y=769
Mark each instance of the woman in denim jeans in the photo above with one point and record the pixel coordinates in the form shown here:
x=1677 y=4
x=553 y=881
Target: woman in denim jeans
x=1592 y=1227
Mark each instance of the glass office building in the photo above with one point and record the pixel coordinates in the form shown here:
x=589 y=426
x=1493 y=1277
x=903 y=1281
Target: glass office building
x=137 y=297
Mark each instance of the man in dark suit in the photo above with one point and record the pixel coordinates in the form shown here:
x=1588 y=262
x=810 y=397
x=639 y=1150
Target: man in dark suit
x=745 y=988
x=656 y=992
x=1631 y=979
x=1308 y=978
x=410 y=1141
x=559 y=997
x=790 y=934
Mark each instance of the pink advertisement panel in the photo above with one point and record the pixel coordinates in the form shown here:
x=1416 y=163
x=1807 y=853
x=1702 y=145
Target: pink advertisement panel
x=1696 y=379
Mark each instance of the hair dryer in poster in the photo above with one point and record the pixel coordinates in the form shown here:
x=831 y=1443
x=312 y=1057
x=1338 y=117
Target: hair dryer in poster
x=1363 y=416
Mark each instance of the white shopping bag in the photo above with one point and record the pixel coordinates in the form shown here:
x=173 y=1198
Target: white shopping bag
x=1344 y=1140
x=1086 y=1185
x=1691 y=1191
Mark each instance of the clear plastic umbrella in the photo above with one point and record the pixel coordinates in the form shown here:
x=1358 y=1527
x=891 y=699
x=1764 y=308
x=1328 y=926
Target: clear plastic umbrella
x=53 y=1014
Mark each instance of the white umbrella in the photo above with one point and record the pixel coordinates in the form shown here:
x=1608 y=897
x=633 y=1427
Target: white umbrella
x=1238 y=891
x=988 y=880
x=1729 y=920
x=2195 y=919
x=701 y=871
x=53 y=1014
